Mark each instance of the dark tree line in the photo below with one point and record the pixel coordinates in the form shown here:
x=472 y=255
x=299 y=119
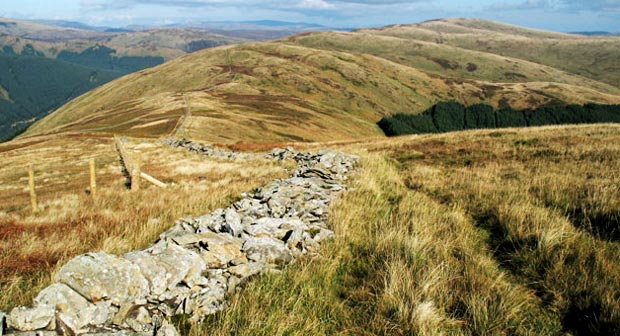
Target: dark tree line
x=452 y=116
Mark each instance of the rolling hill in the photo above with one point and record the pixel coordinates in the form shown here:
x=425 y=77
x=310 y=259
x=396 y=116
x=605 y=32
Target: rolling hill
x=481 y=232
x=45 y=65
x=589 y=56
x=335 y=85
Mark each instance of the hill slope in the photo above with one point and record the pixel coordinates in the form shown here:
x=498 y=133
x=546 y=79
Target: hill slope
x=32 y=86
x=320 y=86
x=56 y=64
x=589 y=56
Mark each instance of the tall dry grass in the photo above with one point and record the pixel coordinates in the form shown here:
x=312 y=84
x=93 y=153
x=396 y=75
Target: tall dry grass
x=117 y=220
x=401 y=263
x=548 y=202
x=458 y=234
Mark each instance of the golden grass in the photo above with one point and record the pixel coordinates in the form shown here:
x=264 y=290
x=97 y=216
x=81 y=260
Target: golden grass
x=485 y=232
x=117 y=220
x=457 y=234
x=542 y=47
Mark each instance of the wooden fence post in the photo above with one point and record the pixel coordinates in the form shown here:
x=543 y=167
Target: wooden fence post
x=135 y=176
x=93 y=178
x=33 y=194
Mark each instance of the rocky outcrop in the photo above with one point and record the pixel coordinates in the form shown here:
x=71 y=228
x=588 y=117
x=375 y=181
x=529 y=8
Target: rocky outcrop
x=196 y=263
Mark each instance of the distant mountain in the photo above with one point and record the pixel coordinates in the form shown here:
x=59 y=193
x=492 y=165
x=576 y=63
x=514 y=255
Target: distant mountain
x=255 y=30
x=594 y=33
x=69 y=24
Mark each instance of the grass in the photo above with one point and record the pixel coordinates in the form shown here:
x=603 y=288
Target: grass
x=590 y=57
x=117 y=220
x=468 y=233
x=485 y=232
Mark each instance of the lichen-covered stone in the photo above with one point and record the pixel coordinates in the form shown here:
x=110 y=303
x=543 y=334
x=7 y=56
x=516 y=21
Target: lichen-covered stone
x=101 y=276
x=30 y=319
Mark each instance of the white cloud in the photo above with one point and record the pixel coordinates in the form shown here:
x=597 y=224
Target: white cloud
x=316 y=4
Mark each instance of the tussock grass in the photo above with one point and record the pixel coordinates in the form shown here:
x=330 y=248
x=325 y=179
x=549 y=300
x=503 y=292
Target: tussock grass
x=502 y=232
x=454 y=234
x=549 y=210
x=402 y=263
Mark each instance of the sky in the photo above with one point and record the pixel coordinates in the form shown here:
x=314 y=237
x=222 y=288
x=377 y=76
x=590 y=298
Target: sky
x=557 y=15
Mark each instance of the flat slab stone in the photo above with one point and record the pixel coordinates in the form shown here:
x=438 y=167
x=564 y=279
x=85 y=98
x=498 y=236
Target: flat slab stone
x=268 y=250
x=75 y=310
x=165 y=265
x=102 y=276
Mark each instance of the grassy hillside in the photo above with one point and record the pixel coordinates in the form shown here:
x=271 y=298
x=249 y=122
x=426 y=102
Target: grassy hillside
x=513 y=231
x=471 y=233
x=587 y=56
x=317 y=87
x=485 y=232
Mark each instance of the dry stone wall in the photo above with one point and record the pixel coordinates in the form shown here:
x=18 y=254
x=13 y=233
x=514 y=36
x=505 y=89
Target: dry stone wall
x=195 y=264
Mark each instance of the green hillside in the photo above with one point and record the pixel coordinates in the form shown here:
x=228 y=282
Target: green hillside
x=31 y=87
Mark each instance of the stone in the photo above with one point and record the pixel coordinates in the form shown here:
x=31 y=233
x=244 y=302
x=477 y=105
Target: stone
x=126 y=309
x=67 y=325
x=205 y=238
x=211 y=222
x=247 y=270
x=239 y=261
x=267 y=250
x=99 y=276
x=115 y=333
x=33 y=333
x=165 y=265
x=323 y=235
x=153 y=270
x=234 y=221
x=173 y=299
x=167 y=329
x=232 y=284
x=277 y=208
x=213 y=260
x=30 y=319
x=76 y=311
x=227 y=252
x=208 y=301
x=140 y=327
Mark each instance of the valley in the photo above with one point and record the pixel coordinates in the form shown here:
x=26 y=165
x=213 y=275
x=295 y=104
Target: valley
x=43 y=65
x=506 y=231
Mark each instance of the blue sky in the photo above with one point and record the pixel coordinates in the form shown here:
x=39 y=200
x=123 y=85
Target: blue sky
x=559 y=15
